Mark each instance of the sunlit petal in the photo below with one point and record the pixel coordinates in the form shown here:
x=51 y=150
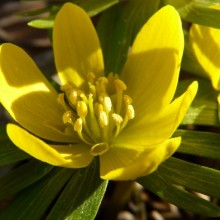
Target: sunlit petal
x=206 y=46
x=28 y=96
x=72 y=156
x=152 y=69
x=127 y=162
x=76 y=46
x=156 y=128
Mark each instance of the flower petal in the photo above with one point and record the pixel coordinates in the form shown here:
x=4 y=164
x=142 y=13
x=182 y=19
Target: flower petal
x=77 y=49
x=152 y=68
x=206 y=46
x=71 y=156
x=128 y=162
x=158 y=127
x=28 y=96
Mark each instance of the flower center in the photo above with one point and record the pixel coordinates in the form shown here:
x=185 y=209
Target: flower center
x=99 y=114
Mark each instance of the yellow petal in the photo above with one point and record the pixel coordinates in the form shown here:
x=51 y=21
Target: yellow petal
x=28 y=96
x=128 y=162
x=206 y=46
x=152 y=69
x=158 y=127
x=71 y=156
x=77 y=49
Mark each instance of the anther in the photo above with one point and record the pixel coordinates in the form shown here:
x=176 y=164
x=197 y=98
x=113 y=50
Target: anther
x=107 y=104
x=117 y=118
x=101 y=85
x=68 y=117
x=82 y=109
x=78 y=125
x=73 y=97
x=127 y=99
x=130 y=112
x=120 y=85
x=103 y=119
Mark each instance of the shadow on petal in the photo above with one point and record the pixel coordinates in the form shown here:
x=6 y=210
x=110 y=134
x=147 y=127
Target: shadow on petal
x=151 y=78
x=40 y=114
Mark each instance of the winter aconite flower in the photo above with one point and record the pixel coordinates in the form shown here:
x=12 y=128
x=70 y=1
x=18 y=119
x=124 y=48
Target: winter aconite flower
x=126 y=120
x=205 y=42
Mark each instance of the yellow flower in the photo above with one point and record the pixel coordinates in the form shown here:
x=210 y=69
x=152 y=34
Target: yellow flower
x=205 y=42
x=126 y=121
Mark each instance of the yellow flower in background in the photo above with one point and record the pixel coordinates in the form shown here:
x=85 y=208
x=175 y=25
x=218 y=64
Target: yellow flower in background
x=205 y=42
x=126 y=120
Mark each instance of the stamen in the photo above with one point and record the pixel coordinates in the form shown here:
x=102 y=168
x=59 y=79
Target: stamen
x=93 y=121
x=73 y=96
x=103 y=119
x=78 y=128
x=68 y=117
x=78 y=125
x=127 y=99
x=101 y=85
x=107 y=104
x=99 y=149
x=99 y=113
x=118 y=120
x=128 y=116
x=92 y=89
x=120 y=85
x=82 y=109
x=130 y=112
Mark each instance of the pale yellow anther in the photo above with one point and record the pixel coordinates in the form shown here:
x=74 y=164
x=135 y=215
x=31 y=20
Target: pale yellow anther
x=120 y=85
x=73 y=97
x=91 y=76
x=68 y=117
x=103 y=119
x=127 y=99
x=82 y=109
x=130 y=112
x=78 y=125
x=107 y=104
x=99 y=149
x=117 y=118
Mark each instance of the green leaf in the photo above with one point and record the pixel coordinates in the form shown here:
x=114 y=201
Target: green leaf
x=157 y=184
x=205 y=144
x=9 y=153
x=42 y=23
x=82 y=196
x=22 y=176
x=92 y=7
x=204 y=108
x=197 y=11
x=192 y=176
x=117 y=28
x=32 y=202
